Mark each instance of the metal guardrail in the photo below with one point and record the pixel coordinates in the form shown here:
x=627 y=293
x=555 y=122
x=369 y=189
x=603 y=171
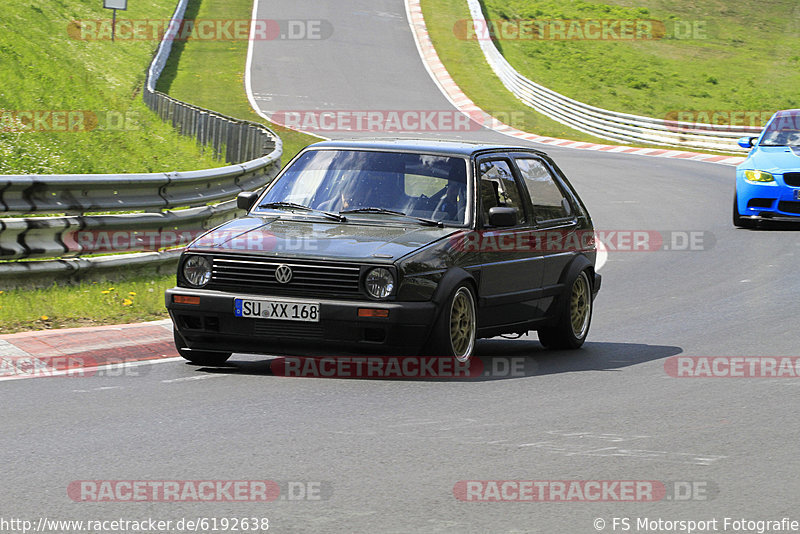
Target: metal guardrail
x=76 y=233
x=601 y=122
x=62 y=237
x=84 y=193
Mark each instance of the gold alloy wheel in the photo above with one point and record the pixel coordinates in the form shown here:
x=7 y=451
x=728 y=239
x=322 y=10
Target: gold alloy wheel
x=580 y=305
x=462 y=324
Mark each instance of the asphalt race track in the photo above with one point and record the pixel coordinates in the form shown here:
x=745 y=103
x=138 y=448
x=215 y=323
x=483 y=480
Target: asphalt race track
x=386 y=455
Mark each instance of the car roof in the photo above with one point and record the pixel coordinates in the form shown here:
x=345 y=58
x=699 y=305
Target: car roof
x=422 y=146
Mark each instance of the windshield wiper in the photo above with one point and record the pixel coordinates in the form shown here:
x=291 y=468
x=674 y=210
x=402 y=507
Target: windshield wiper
x=295 y=206
x=428 y=222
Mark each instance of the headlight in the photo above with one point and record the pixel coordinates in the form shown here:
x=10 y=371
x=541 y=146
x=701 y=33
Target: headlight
x=758 y=176
x=379 y=283
x=197 y=270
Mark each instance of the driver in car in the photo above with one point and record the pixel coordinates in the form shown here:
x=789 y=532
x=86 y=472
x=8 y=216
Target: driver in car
x=451 y=205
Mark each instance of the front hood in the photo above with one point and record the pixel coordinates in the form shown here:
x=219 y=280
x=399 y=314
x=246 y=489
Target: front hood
x=774 y=159
x=306 y=238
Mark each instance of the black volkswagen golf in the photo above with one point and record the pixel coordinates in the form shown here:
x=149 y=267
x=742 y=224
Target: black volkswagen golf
x=399 y=246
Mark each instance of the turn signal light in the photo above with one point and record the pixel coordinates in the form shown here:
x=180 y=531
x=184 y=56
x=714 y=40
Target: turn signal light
x=183 y=299
x=372 y=312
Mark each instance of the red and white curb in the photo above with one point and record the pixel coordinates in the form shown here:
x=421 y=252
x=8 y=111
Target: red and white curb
x=462 y=102
x=82 y=351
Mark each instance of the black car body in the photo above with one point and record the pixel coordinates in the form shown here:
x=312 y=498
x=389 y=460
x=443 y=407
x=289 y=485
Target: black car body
x=447 y=242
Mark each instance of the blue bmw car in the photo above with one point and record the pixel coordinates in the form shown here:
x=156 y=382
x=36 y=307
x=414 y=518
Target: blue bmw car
x=768 y=181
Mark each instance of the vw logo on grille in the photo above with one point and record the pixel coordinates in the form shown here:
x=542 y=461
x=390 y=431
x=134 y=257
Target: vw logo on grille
x=283 y=274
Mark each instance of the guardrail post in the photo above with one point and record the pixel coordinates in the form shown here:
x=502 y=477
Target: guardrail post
x=194 y=127
x=229 y=140
x=240 y=144
x=248 y=145
x=174 y=111
x=184 y=119
x=215 y=141
x=201 y=129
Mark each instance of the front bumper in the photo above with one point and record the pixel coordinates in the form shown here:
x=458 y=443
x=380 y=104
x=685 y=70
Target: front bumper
x=212 y=326
x=768 y=201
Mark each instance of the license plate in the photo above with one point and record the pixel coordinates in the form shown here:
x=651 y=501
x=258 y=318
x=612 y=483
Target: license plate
x=797 y=194
x=284 y=310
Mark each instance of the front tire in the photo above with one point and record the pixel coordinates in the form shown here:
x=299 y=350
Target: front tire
x=200 y=357
x=454 y=333
x=574 y=318
x=738 y=220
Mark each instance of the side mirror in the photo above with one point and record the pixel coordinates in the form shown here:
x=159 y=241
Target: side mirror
x=502 y=216
x=246 y=199
x=747 y=142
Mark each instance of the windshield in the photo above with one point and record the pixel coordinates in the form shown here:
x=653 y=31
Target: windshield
x=418 y=185
x=783 y=129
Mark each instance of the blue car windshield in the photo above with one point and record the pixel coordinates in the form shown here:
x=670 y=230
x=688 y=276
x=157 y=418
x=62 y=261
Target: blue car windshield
x=372 y=183
x=783 y=129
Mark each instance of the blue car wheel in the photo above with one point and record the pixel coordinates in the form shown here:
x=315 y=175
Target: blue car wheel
x=738 y=220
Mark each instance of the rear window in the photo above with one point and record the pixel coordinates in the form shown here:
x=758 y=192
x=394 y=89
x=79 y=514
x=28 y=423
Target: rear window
x=549 y=201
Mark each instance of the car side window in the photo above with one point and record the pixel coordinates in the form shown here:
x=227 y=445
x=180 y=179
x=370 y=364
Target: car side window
x=549 y=201
x=499 y=188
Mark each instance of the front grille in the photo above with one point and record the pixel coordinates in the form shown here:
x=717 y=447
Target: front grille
x=257 y=275
x=287 y=329
x=789 y=206
x=792 y=179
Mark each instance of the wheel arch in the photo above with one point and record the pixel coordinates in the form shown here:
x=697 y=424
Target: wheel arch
x=573 y=268
x=451 y=279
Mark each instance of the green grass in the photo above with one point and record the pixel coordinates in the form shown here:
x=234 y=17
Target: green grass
x=45 y=68
x=467 y=66
x=86 y=304
x=743 y=58
x=210 y=73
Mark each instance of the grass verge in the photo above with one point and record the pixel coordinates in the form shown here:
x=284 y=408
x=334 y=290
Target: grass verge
x=70 y=103
x=86 y=304
x=698 y=56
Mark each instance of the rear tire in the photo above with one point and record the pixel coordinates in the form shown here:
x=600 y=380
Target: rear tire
x=200 y=357
x=575 y=316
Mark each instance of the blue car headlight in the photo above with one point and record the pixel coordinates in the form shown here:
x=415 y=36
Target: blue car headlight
x=758 y=176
